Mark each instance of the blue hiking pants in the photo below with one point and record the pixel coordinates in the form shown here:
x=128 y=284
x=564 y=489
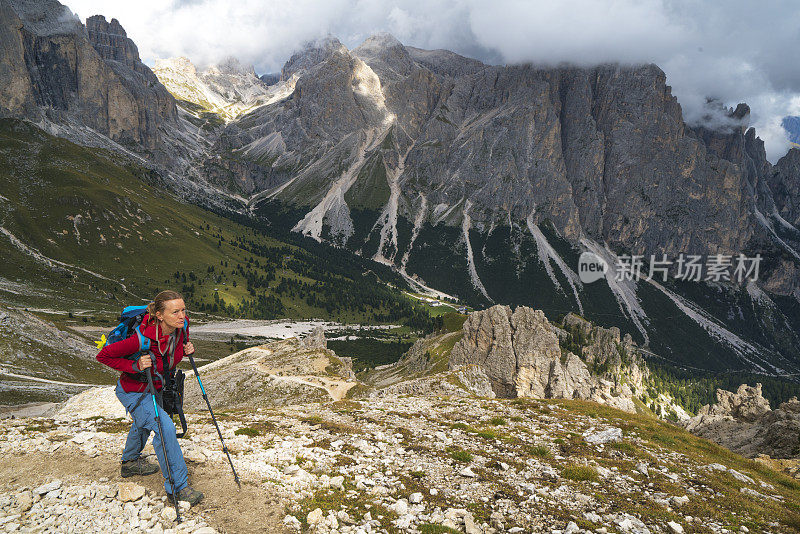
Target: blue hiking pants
x=144 y=422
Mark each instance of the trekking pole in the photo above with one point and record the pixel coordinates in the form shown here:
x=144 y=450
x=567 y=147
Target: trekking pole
x=214 y=419
x=164 y=446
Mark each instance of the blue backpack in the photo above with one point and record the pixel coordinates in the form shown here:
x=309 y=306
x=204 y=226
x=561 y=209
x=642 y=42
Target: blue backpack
x=129 y=321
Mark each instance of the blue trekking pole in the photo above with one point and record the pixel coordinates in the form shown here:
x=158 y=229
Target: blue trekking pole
x=163 y=445
x=214 y=419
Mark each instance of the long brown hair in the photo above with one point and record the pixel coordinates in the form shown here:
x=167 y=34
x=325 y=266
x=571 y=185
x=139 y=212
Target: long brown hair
x=159 y=302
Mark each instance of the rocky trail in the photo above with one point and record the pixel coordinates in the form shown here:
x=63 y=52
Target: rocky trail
x=400 y=464
x=431 y=444
x=88 y=494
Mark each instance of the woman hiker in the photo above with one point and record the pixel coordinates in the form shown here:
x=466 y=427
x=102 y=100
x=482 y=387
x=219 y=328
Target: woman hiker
x=164 y=325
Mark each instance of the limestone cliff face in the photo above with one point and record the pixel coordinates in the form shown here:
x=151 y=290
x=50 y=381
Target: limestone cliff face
x=521 y=355
x=69 y=73
x=744 y=423
x=600 y=151
x=112 y=43
x=785 y=184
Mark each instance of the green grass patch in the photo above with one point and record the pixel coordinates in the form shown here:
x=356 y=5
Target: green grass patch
x=460 y=455
x=580 y=473
x=622 y=446
x=540 y=451
x=488 y=434
x=331 y=499
x=331 y=426
x=114 y=426
x=430 y=528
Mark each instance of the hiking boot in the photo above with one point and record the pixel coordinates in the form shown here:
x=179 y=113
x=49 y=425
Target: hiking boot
x=187 y=494
x=139 y=466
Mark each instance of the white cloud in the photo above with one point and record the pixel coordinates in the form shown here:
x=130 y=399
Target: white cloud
x=735 y=51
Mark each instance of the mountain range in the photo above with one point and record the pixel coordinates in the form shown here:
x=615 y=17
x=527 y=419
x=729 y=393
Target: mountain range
x=484 y=182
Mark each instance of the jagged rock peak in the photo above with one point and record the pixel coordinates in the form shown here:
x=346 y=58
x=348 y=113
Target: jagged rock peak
x=717 y=117
x=91 y=78
x=784 y=181
x=111 y=41
x=378 y=42
x=100 y=24
x=744 y=423
x=46 y=17
x=747 y=404
x=312 y=53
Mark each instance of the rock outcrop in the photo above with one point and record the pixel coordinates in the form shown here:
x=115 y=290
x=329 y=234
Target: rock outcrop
x=521 y=355
x=744 y=423
x=315 y=340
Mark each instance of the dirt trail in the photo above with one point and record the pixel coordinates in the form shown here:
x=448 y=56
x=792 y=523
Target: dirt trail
x=225 y=507
x=337 y=389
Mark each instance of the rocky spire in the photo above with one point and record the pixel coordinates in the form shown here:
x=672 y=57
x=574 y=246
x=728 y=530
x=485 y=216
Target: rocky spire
x=112 y=43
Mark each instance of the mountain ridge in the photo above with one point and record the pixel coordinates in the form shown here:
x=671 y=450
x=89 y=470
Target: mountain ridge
x=500 y=176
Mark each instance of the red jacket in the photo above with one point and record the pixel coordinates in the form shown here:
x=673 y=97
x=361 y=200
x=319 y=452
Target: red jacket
x=114 y=354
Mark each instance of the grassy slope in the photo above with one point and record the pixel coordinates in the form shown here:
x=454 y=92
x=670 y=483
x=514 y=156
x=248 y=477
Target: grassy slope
x=89 y=208
x=84 y=232
x=658 y=442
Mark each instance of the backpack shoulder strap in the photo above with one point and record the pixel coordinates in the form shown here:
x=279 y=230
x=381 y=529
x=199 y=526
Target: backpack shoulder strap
x=144 y=342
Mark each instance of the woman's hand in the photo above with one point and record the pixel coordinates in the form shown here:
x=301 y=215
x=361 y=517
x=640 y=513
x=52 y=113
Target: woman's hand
x=188 y=348
x=145 y=362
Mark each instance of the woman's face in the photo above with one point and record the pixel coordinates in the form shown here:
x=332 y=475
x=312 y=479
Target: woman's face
x=174 y=313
